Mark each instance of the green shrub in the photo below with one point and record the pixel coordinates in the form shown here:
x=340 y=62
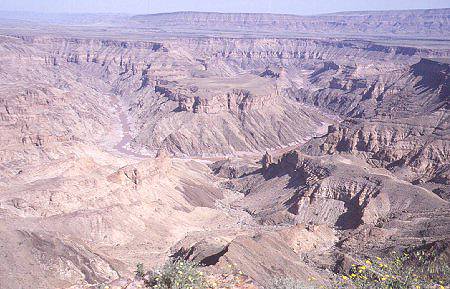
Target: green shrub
x=177 y=274
x=140 y=270
x=402 y=271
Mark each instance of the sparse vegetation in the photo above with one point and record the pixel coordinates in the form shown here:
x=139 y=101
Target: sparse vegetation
x=402 y=271
x=177 y=274
x=418 y=270
x=140 y=270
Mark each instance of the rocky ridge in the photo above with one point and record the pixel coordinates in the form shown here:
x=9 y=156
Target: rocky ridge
x=412 y=22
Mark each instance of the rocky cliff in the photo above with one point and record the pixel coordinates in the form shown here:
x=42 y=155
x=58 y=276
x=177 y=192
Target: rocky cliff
x=403 y=128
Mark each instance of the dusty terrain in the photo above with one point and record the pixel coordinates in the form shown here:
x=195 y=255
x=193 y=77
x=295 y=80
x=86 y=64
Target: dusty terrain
x=233 y=144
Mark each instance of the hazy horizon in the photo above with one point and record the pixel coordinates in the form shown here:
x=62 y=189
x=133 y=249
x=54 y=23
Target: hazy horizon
x=299 y=7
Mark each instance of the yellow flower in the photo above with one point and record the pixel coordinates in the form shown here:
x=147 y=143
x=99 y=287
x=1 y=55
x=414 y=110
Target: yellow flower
x=378 y=258
x=345 y=277
x=441 y=287
x=417 y=287
x=363 y=267
x=368 y=262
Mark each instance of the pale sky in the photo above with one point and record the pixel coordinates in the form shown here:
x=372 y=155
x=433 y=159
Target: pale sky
x=302 y=7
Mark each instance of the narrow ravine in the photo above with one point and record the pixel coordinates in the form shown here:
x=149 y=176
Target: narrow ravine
x=121 y=146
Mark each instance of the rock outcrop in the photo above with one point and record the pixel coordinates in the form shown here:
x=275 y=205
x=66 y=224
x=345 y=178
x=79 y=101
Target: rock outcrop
x=403 y=130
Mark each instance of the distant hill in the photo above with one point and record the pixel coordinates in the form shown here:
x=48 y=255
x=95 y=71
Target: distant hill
x=432 y=24
x=426 y=23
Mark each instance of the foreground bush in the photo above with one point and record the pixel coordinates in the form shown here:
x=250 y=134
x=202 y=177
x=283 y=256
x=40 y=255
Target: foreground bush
x=402 y=271
x=177 y=274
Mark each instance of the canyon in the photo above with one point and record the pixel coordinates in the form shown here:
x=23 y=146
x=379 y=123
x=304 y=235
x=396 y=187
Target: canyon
x=282 y=145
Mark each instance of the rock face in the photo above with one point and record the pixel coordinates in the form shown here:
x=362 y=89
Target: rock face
x=315 y=190
x=405 y=130
x=277 y=155
x=50 y=259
